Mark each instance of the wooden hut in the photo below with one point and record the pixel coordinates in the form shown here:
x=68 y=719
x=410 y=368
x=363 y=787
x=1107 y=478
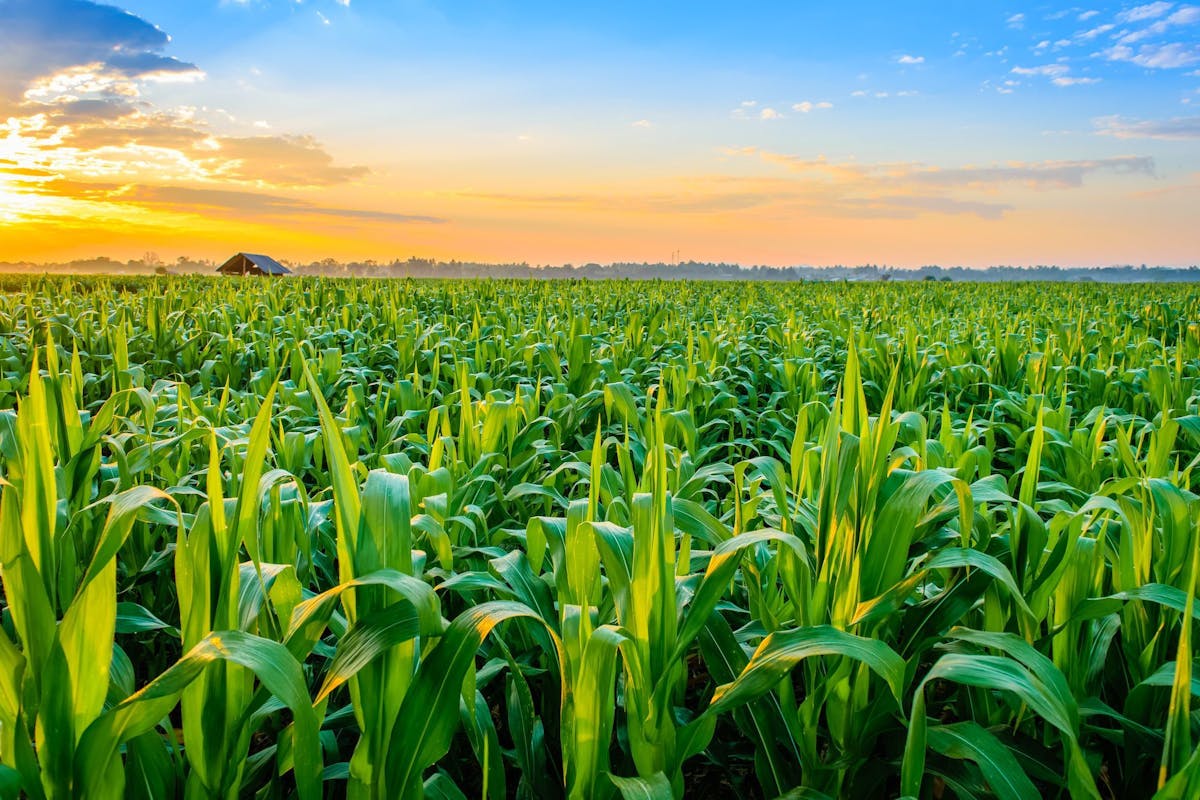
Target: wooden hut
x=252 y=264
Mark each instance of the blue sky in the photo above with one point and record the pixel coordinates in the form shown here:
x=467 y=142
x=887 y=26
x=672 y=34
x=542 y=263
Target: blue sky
x=982 y=132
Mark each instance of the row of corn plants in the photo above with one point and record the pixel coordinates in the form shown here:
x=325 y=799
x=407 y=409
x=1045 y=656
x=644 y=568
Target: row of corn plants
x=504 y=539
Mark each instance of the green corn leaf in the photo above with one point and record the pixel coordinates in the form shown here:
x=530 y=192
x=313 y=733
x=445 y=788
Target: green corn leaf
x=969 y=740
x=656 y=787
x=782 y=651
x=428 y=715
x=275 y=667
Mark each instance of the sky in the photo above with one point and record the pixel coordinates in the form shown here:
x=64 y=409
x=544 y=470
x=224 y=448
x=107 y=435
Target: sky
x=957 y=132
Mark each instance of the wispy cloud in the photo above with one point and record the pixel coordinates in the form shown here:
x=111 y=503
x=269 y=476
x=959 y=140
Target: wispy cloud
x=1094 y=33
x=904 y=190
x=191 y=200
x=1059 y=74
x=1144 y=12
x=907 y=59
x=880 y=94
x=834 y=189
x=1188 y=15
x=1172 y=55
x=1065 y=174
x=807 y=106
x=1174 y=129
x=1016 y=21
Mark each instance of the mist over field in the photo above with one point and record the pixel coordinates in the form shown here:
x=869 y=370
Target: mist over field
x=151 y=264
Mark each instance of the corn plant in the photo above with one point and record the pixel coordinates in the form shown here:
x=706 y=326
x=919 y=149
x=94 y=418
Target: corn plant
x=531 y=539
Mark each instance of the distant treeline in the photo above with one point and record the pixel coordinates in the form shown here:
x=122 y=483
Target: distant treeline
x=687 y=270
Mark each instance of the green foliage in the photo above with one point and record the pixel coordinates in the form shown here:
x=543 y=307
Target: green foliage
x=529 y=539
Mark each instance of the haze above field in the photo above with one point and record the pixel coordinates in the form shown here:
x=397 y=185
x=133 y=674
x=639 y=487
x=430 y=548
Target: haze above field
x=905 y=134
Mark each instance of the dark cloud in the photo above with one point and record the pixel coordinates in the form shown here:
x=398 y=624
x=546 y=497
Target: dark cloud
x=78 y=111
x=147 y=64
x=40 y=37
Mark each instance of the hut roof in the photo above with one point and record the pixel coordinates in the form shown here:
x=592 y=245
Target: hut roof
x=244 y=263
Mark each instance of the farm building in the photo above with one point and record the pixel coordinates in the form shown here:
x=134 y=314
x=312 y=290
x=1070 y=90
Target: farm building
x=252 y=264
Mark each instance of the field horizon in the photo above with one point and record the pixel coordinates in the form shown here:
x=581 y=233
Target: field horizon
x=152 y=264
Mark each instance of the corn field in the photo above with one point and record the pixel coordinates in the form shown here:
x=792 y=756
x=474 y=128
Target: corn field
x=502 y=539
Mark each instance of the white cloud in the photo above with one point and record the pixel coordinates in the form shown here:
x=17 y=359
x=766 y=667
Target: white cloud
x=1048 y=70
x=262 y=124
x=807 y=106
x=1187 y=15
x=1173 y=55
x=907 y=59
x=1175 y=129
x=749 y=109
x=1085 y=16
x=1147 y=11
x=1059 y=74
x=1099 y=30
x=642 y=123
x=324 y=19
x=1016 y=21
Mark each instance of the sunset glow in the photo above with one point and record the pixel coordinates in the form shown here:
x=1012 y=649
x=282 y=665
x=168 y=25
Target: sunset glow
x=972 y=134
